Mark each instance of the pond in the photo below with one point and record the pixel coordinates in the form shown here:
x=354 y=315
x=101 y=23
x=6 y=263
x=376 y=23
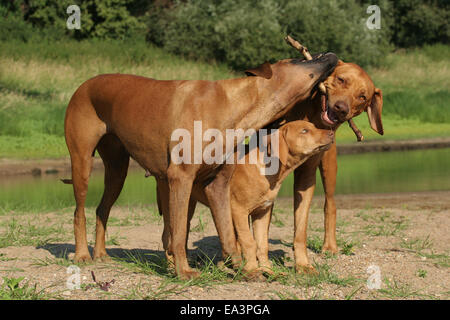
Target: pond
x=384 y=172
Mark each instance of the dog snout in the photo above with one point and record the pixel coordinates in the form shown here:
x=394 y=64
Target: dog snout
x=341 y=108
x=327 y=63
x=326 y=139
x=323 y=65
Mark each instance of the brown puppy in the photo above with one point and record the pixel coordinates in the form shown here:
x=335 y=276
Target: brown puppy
x=253 y=191
x=126 y=115
x=350 y=91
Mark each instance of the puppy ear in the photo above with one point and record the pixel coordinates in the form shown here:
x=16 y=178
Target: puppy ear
x=283 y=149
x=374 y=111
x=264 y=70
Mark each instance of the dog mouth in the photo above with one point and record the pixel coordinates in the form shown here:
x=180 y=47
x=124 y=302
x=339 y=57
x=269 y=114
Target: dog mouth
x=323 y=147
x=329 y=117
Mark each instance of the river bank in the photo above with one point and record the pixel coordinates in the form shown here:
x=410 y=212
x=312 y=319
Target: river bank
x=40 y=167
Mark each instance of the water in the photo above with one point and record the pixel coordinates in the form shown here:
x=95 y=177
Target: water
x=385 y=172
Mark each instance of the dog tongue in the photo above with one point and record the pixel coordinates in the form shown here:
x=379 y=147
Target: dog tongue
x=327 y=119
x=324 y=102
x=324 y=109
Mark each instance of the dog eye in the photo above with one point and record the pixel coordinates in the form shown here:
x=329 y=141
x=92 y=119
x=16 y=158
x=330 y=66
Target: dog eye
x=340 y=80
x=305 y=131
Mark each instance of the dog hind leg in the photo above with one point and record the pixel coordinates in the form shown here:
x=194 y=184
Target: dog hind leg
x=116 y=160
x=83 y=130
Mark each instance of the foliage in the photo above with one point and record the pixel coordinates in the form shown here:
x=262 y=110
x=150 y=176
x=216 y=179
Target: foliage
x=105 y=19
x=419 y=22
x=241 y=33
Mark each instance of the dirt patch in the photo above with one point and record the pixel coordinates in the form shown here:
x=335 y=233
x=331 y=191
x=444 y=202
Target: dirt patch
x=406 y=236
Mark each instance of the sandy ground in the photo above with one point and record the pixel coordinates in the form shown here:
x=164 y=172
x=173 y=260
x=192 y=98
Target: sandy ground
x=404 y=236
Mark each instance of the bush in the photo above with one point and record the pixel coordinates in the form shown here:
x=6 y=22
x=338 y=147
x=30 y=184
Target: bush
x=13 y=26
x=240 y=33
x=340 y=27
x=105 y=19
x=420 y=22
x=244 y=33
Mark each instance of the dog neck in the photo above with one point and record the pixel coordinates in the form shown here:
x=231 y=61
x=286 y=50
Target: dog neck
x=256 y=101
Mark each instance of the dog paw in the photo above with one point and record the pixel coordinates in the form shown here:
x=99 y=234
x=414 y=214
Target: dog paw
x=330 y=249
x=82 y=258
x=307 y=269
x=253 y=275
x=188 y=274
x=102 y=258
x=266 y=269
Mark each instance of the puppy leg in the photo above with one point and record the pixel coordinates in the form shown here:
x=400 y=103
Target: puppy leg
x=245 y=238
x=261 y=224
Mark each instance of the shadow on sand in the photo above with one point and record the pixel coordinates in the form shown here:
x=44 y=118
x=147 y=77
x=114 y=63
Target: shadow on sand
x=206 y=250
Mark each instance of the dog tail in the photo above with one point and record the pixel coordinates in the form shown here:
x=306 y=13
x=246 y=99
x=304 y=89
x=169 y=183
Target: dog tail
x=70 y=181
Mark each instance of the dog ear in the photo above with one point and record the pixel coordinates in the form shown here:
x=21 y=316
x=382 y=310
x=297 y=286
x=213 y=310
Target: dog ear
x=264 y=70
x=283 y=149
x=374 y=111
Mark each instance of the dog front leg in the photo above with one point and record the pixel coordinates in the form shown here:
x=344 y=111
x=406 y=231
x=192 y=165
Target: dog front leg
x=219 y=199
x=180 y=186
x=328 y=172
x=304 y=185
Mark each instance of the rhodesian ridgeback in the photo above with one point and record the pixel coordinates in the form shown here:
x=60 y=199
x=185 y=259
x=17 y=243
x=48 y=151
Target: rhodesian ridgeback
x=125 y=115
x=350 y=91
x=253 y=191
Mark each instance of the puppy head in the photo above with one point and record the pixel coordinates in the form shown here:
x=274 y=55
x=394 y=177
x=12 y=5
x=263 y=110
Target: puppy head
x=300 y=140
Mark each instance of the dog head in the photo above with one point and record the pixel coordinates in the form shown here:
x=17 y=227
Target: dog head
x=296 y=77
x=301 y=139
x=350 y=91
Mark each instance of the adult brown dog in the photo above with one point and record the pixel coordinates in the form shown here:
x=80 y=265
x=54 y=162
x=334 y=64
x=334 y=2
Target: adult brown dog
x=126 y=115
x=350 y=91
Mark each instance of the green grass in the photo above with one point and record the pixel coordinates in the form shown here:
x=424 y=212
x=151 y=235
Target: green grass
x=424 y=249
x=16 y=289
x=37 y=80
x=396 y=290
x=28 y=234
x=325 y=275
x=153 y=264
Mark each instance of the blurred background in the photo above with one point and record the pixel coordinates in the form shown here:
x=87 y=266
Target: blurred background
x=42 y=63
